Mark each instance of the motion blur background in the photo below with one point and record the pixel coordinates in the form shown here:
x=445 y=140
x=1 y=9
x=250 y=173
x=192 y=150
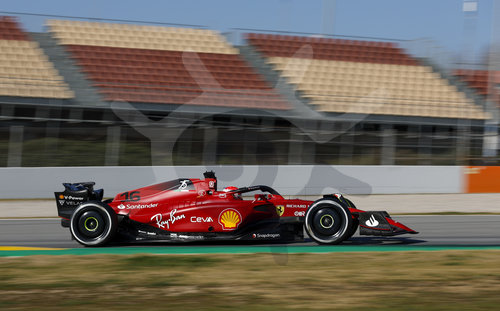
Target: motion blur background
x=120 y=83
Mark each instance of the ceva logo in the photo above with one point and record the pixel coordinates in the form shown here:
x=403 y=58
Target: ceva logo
x=201 y=219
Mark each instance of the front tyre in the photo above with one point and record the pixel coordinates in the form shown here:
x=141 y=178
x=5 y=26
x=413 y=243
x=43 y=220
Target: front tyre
x=328 y=222
x=353 y=229
x=93 y=224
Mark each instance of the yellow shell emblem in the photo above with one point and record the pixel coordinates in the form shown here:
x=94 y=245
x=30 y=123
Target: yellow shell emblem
x=230 y=219
x=280 y=209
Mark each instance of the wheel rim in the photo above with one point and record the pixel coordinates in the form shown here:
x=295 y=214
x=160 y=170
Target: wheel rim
x=327 y=221
x=91 y=224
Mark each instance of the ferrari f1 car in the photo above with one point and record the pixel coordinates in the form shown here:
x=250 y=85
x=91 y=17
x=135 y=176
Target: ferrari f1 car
x=189 y=209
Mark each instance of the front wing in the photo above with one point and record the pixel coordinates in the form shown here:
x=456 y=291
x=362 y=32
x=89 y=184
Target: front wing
x=380 y=223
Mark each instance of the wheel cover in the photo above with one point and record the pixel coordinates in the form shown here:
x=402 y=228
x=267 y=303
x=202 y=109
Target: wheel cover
x=327 y=222
x=91 y=224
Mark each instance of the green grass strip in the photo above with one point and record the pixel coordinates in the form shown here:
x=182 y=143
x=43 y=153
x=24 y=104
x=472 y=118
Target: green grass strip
x=291 y=249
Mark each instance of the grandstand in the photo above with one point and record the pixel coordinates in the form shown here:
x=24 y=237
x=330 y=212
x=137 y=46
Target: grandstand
x=370 y=77
x=277 y=99
x=25 y=70
x=155 y=64
x=481 y=81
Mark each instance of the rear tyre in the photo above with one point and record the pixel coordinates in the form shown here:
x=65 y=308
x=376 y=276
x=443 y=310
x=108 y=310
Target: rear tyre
x=93 y=224
x=328 y=222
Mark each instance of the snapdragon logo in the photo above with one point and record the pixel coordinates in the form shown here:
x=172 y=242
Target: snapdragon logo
x=266 y=235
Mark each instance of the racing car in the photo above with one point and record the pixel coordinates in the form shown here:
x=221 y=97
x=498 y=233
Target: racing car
x=191 y=209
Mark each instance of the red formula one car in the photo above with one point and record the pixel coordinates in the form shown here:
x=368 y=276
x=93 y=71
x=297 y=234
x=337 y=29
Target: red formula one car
x=189 y=209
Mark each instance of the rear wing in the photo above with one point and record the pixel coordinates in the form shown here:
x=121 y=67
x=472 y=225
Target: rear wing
x=75 y=194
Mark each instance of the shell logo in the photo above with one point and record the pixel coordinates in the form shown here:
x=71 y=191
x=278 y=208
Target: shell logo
x=229 y=219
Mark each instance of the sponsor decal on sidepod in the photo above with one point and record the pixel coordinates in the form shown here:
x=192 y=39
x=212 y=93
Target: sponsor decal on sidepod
x=137 y=206
x=170 y=221
x=229 y=219
x=201 y=219
x=296 y=205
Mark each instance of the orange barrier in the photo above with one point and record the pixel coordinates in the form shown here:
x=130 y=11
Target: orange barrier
x=482 y=179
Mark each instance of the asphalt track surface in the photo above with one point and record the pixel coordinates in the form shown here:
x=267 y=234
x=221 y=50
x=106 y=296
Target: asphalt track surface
x=435 y=231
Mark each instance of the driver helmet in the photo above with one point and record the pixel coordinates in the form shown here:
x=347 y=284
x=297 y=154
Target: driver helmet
x=235 y=195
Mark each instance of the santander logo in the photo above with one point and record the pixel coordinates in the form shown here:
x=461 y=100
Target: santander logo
x=372 y=222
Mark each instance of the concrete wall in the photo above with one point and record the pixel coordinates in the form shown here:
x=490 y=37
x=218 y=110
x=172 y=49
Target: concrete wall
x=24 y=183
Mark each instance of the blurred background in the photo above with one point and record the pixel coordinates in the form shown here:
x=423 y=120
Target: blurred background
x=260 y=82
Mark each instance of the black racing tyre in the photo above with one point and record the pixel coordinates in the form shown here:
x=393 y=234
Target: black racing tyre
x=349 y=202
x=355 y=221
x=93 y=224
x=328 y=222
x=353 y=228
